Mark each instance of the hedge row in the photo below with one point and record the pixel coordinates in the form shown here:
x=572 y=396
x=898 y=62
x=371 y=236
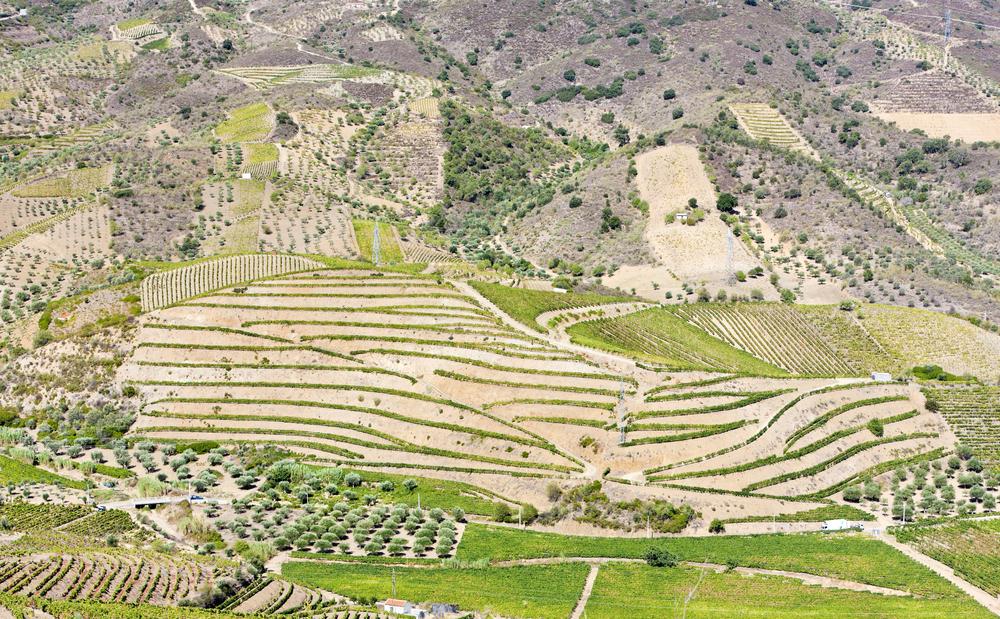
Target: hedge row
x=759 y=396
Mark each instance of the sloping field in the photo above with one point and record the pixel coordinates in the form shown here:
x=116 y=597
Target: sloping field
x=776 y=333
x=73 y=184
x=968 y=127
x=921 y=337
x=660 y=336
x=251 y=123
x=168 y=287
x=973 y=412
x=526 y=305
x=971 y=548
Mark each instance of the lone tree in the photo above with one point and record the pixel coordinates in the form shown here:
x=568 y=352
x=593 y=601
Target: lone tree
x=726 y=203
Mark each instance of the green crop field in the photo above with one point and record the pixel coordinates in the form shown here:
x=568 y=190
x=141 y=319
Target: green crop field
x=847 y=556
x=12 y=471
x=261 y=153
x=526 y=305
x=158 y=45
x=660 y=336
x=246 y=124
x=541 y=591
x=657 y=593
x=128 y=24
x=970 y=547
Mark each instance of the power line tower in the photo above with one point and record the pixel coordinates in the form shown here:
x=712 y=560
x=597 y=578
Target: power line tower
x=730 y=274
x=376 y=246
x=947 y=34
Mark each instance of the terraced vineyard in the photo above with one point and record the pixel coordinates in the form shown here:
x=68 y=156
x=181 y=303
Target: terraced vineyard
x=168 y=287
x=263 y=78
x=766 y=123
x=284 y=359
x=973 y=412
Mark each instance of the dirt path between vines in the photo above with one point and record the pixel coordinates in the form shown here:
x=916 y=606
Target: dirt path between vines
x=991 y=603
x=588 y=586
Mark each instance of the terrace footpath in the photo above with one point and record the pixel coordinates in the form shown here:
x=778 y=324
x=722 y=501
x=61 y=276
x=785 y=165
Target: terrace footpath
x=991 y=603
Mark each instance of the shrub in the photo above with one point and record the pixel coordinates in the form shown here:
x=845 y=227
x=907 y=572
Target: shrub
x=660 y=557
x=669 y=94
x=875 y=427
x=716 y=526
x=852 y=494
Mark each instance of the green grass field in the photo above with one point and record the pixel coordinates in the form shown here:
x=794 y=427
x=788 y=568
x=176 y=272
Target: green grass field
x=658 y=593
x=158 y=45
x=432 y=493
x=526 y=305
x=538 y=591
x=659 y=336
x=245 y=124
x=6 y=98
x=848 y=556
x=364 y=232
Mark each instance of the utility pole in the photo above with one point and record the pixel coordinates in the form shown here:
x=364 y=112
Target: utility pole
x=376 y=246
x=393 y=582
x=622 y=423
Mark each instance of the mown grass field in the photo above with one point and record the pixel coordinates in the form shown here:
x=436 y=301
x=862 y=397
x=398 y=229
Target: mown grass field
x=639 y=592
x=526 y=305
x=538 y=591
x=848 y=556
x=660 y=336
